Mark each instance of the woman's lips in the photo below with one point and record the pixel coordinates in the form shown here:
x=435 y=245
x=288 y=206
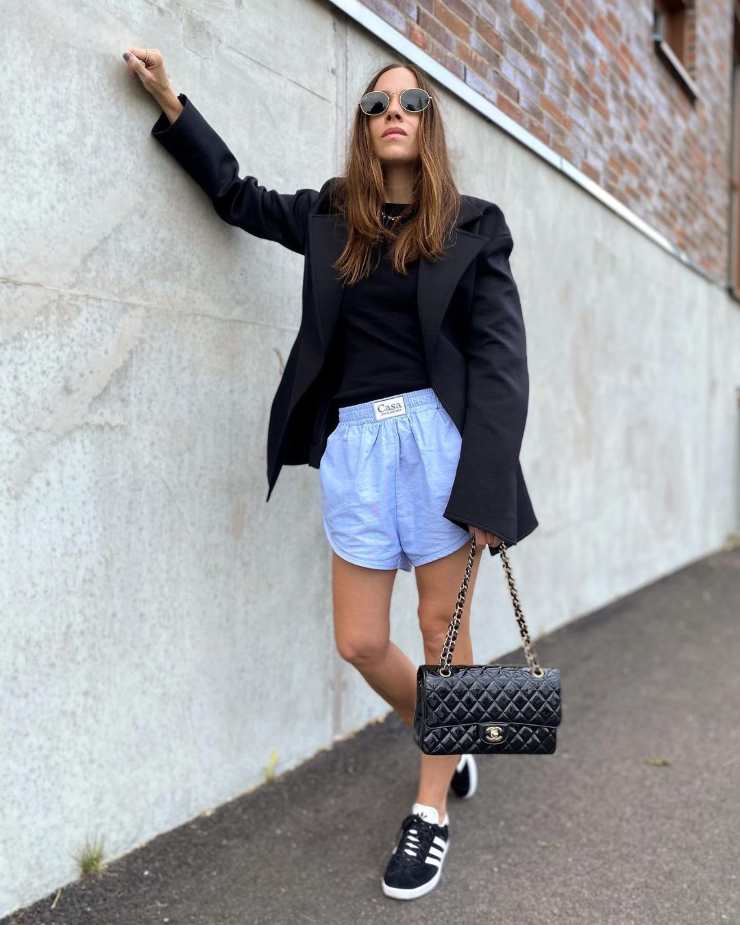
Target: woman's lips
x=394 y=134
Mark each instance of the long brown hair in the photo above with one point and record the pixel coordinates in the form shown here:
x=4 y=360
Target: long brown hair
x=359 y=194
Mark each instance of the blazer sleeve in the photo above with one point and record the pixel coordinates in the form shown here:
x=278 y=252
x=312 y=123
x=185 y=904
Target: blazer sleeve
x=484 y=491
x=198 y=148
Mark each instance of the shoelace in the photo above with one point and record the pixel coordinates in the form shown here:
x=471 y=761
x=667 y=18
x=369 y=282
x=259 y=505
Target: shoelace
x=416 y=838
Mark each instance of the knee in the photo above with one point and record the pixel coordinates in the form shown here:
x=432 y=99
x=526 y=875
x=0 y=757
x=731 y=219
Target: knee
x=361 y=650
x=433 y=642
x=434 y=624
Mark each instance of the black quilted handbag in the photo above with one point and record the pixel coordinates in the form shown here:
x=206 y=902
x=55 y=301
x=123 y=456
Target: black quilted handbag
x=486 y=709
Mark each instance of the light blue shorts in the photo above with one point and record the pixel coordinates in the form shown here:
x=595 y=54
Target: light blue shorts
x=386 y=475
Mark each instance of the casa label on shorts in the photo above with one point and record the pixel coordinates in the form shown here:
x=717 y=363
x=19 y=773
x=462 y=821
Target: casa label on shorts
x=389 y=407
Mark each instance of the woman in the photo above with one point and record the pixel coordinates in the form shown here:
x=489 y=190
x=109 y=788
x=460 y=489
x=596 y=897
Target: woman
x=407 y=387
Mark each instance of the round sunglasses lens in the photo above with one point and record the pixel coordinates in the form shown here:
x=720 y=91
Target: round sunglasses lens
x=415 y=100
x=374 y=103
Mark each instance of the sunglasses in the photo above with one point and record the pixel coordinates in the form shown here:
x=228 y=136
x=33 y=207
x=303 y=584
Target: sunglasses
x=376 y=102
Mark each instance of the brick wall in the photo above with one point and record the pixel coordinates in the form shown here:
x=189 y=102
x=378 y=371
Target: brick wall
x=584 y=78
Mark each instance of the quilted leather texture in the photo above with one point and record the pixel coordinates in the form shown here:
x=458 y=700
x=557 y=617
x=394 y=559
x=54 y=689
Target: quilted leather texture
x=455 y=715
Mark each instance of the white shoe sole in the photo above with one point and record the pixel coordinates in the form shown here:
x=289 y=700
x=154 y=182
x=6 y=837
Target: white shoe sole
x=399 y=893
x=473 y=774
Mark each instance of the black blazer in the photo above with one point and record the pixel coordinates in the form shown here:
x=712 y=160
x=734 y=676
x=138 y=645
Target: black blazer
x=471 y=321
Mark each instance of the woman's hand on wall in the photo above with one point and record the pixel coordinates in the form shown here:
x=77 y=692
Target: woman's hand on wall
x=148 y=65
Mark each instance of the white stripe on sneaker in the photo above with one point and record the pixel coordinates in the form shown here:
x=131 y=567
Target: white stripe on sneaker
x=436 y=856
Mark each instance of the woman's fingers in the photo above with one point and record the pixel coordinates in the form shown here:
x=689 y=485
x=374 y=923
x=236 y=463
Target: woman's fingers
x=484 y=537
x=149 y=58
x=148 y=65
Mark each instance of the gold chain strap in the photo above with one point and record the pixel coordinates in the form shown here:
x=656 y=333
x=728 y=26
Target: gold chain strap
x=448 y=646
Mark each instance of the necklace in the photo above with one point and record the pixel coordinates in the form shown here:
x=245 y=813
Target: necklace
x=394 y=218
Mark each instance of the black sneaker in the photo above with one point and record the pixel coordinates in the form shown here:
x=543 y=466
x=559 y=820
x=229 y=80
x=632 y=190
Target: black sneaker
x=464 y=781
x=415 y=866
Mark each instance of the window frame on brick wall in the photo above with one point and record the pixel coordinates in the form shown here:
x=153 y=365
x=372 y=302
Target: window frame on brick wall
x=733 y=281
x=673 y=36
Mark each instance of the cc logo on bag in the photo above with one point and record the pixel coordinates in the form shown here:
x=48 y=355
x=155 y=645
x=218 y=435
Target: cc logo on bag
x=494 y=733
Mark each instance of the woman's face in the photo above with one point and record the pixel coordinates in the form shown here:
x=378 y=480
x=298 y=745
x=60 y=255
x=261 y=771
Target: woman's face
x=393 y=134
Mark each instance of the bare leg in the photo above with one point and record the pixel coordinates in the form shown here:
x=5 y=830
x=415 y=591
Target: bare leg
x=438 y=583
x=361 y=599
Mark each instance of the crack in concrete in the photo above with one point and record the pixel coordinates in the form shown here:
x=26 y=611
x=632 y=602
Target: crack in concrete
x=72 y=411
x=149 y=306
x=280 y=74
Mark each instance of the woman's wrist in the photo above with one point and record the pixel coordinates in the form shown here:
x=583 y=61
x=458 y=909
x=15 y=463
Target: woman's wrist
x=169 y=104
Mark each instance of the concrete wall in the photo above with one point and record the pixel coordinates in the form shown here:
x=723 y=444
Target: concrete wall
x=152 y=603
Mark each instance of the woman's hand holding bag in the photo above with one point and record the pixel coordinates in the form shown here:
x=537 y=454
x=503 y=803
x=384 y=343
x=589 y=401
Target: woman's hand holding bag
x=486 y=709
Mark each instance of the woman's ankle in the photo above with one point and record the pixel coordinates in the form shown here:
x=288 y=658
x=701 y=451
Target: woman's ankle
x=406 y=718
x=441 y=808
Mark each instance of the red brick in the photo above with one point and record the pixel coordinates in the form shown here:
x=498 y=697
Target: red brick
x=465 y=11
x=471 y=58
x=583 y=77
x=418 y=36
x=538 y=130
x=452 y=21
x=436 y=30
x=520 y=9
x=509 y=107
x=578 y=22
x=489 y=35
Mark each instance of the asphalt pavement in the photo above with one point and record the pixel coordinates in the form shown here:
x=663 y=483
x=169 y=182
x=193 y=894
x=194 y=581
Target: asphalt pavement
x=635 y=820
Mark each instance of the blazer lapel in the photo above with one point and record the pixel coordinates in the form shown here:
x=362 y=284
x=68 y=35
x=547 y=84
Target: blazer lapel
x=436 y=282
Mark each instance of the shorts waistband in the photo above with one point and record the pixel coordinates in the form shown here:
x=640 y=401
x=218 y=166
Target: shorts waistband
x=390 y=406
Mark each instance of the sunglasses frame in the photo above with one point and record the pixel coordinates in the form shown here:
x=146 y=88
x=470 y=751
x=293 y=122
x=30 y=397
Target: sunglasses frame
x=414 y=112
